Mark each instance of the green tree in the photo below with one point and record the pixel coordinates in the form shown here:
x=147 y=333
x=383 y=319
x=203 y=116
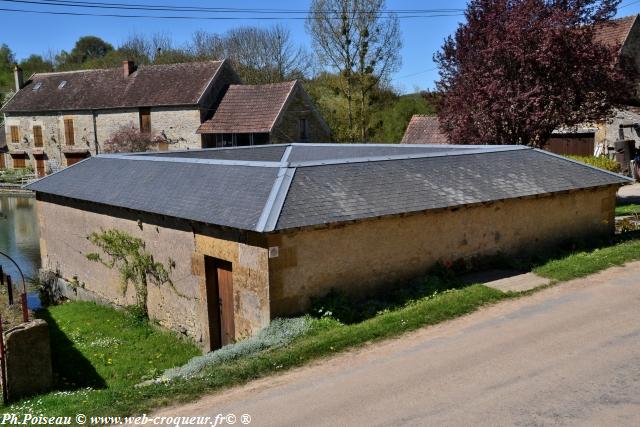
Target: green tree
x=87 y=48
x=36 y=64
x=361 y=41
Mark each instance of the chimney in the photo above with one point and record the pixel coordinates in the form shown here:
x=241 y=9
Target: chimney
x=128 y=67
x=19 y=78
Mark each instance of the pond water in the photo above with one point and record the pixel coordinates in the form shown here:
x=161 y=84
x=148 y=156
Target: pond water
x=19 y=238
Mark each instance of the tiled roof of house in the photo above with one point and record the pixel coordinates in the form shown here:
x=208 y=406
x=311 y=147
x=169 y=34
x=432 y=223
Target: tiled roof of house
x=249 y=108
x=148 y=86
x=302 y=185
x=615 y=32
x=424 y=130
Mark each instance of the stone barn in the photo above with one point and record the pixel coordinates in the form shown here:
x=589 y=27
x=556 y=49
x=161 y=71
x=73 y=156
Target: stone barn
x=252 y=233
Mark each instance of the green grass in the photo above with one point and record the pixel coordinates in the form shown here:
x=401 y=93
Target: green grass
x=583 y=263
x=629 y=209
x=144 y=351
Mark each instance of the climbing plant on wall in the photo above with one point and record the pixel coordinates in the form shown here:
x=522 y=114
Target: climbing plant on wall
x=136 y=265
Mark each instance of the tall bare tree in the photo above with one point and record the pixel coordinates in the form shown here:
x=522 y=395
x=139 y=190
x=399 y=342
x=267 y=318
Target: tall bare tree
x=361 y=41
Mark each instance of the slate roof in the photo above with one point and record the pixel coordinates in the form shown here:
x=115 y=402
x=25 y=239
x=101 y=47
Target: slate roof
x=615 y=32
x=249 y=108
x=148 y=86
x=296 y=185
x=424 y=129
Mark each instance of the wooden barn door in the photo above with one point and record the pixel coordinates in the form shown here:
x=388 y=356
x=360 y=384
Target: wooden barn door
x=220 y=312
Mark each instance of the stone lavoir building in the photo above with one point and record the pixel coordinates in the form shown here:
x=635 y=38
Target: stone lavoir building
x=57 y=119
x=254 y=232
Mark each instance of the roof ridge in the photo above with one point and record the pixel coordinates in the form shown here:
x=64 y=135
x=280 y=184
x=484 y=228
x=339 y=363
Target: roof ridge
x=389 y=157
x=90 y=70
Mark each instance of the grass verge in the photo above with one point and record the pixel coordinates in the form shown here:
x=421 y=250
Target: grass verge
x=80 y=326
x=583 y=263
x=630 y=209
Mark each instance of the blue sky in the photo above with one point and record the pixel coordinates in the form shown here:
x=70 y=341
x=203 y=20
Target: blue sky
x=31 y=33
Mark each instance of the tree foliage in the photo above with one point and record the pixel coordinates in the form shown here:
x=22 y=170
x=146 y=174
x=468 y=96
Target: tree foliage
x=361 y=43
x=129 y=139
x=518 y=69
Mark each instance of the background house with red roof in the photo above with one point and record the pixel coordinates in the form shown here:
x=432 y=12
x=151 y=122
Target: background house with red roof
x=424 y=129
x=264 y=114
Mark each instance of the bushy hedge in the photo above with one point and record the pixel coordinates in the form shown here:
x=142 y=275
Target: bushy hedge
x=599 y=162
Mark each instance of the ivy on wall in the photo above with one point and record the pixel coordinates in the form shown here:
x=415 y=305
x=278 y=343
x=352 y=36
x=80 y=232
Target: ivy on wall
x=135 y=264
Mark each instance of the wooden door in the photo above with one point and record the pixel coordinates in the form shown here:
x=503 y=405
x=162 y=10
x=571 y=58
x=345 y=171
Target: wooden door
x=40 y=166
x=220 y=308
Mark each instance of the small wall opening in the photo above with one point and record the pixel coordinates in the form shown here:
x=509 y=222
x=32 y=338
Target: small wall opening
x=219 y=302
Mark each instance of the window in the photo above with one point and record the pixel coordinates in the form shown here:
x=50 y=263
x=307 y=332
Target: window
x=15 y=134
x=243 y=139
x=73 y=158
x=62 y=84
x=304 y=129
x=145 y=120
x=69 y=136
x=19 y=161
x=260 y=138
x=224 y=140
x=37 y=86
x=37 y=136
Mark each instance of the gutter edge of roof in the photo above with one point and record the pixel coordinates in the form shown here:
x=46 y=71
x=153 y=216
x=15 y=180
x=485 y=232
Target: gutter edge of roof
x=325 y=225
x=624 y=178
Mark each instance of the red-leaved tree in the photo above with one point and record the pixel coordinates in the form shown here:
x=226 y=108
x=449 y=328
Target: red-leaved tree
x=128 y=139
x=518 y=69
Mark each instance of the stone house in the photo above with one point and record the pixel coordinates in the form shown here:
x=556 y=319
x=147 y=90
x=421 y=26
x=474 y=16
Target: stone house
x=277 y=113
x=599 y=138
x=252 y=233
x=56 y=119
x=424 y=129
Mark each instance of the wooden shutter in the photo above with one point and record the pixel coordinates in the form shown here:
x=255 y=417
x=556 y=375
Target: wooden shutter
x=37 y=136
x=18 y=162
x=69 y=136
x=15 y=134
x=2 y=165
x=145 y=120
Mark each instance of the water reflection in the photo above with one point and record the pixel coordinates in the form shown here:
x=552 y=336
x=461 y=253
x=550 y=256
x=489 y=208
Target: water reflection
x=19 y=235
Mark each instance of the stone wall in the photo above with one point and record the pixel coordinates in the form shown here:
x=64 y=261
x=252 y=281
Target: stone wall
x=287 y=130
x=64 y=246
x=250 y=282
x=53 y=135
x=362 y=257
x=179 y=126
x=28 y=359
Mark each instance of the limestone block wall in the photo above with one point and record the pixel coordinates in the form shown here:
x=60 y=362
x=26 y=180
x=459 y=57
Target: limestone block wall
x=361 y=257
x=287 y=130
x=64 y=246
x=250 y=281
x=64 y=228
x=53 y=135
x=179 y=125
x=110 y=121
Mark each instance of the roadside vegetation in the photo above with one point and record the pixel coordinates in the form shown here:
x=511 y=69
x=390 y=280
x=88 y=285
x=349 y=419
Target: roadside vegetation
x=630 y=209
x=101 y=354
x=599 y=162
